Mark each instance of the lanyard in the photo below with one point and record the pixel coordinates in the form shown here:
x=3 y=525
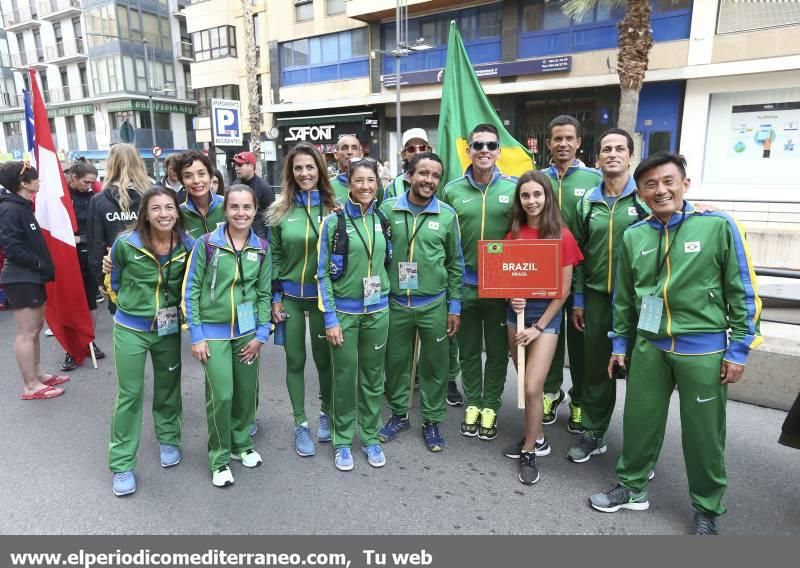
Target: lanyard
x=313 y=224
x=660 y=262
x=168 y=263
x=238 y=254
x=358 y=232
x=411 y=240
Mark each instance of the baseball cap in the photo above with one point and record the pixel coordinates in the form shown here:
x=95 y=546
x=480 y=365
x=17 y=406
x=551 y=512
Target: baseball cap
x=412 y=133
x=245 y=158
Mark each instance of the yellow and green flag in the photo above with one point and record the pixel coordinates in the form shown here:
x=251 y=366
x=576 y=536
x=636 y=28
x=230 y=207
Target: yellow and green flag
x=464 y=106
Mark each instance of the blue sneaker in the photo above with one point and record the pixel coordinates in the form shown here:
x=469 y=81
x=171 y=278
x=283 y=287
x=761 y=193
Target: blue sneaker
x=303 y=444
x=393 y=427
x=170 y=455
x=344 y=459
x=324 y=430
x=433 y=439
x=124 y=483
x=375 y=455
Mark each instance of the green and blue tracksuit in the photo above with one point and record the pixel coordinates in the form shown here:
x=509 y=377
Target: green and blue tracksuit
x=357 y=366
x=397 y=187
x=599 y=235
x=429 y=237
x=699 y=267
x=293 y=242
x=198 y=224
x=219 y=279
x=483 y=213
x=143 y=284
x=570 y=189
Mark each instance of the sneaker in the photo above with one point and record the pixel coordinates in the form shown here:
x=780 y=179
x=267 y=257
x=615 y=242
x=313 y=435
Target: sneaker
x=574 y=425
x=48 y=332
x=619 y=498
x=551 y=406
x=253 y=429
x=528 y=472
x=222 y=477
x=433 y=438
x=124 y=483
x=69 y=363
x=469 y=427
x=651 y=475
x=488 y=427
x=98 y=353
x=375 y=455
x=99 y=299
x=587 y=447
x=170 y=455
x=250 y=458
x=393 y=427
x=541 y=449
x=454 y=396
x=303 y=444
x=324 y=430
x=343 y=459
x=705 y=524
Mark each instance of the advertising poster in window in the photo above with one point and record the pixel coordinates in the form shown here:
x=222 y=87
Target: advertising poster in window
x=768 y=131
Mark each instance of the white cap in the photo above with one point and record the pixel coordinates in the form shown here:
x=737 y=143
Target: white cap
x=412 y=133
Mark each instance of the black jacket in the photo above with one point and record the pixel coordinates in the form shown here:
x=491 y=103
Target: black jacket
x=106 y=221
x=265 y=197
x=181 y=193
x=27 y=257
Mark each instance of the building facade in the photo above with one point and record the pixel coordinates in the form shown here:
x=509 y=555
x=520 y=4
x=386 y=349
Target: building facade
x=91 y=65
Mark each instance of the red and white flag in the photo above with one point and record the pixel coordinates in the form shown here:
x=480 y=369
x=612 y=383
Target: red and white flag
x=67 y=311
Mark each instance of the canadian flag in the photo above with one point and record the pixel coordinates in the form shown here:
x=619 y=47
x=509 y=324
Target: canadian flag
x=67 y=311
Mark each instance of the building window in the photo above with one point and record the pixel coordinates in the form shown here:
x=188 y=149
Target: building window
x=332 y=57
x=52 y=123
x=91 y=131
x=303 y=10
x=205 y=95
x=335 y=7
x=45 y=87
x=747 y=16
x=107 y=74
x=256 y=38
x=214 y=43
x=62 y=72
x=84 y=80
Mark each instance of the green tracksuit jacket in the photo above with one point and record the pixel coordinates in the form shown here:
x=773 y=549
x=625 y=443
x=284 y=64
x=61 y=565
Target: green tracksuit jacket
x=196 y=224
x=571 y=188
x=397 y=187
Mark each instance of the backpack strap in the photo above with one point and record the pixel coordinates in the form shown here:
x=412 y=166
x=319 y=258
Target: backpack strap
x=386 y=226
x=641 y=213
x=586 y=218
x=339 y=247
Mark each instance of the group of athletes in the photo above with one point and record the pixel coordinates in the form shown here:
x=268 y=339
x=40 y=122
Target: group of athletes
x=652 y=288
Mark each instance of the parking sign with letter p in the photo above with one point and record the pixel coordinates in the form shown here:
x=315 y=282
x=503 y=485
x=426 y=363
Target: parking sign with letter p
x=226 y=116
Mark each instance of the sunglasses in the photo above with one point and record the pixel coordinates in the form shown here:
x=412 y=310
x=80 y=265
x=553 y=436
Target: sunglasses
x=240 y=157
x=25 y=167
x=478 y=146
x=364 y=159
x=414 y=148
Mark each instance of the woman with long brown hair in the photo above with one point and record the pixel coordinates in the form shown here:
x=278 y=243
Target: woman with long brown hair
x=535 y=215
x=294 y=220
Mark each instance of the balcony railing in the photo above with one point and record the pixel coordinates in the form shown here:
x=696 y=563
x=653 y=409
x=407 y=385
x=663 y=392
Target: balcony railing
x=185 y=51
x=54 y=9
x=34 y=57
x=25 y=17
x=67 y=50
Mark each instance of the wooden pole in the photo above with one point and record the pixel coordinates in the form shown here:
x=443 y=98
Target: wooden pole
x=91 y=352
x=521 y=363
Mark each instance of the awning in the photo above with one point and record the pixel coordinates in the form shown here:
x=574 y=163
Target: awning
x=324 y=118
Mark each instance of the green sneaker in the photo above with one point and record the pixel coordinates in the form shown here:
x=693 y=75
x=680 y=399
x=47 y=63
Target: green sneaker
x=488 y=428
x=574 y=425
x=551 y=402
x=619 y=498
x=587 y=447
x=469 y=427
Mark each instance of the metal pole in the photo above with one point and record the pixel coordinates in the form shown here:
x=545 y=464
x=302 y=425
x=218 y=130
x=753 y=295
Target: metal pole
x=150 y=104
x=397 y=87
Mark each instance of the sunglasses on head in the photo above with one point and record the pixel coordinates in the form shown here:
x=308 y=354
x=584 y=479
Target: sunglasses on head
x=240 y=157
x=478 y=146
x=414 y=148
x=364 y=159
x=25 y=167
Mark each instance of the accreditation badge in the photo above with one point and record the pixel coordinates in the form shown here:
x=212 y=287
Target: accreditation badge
x=372 y=290
x=407 y=275
x=167 y=321
x=650 y=314
x=245 y=317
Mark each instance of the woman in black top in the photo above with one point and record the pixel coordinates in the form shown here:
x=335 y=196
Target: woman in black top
x=28 y=267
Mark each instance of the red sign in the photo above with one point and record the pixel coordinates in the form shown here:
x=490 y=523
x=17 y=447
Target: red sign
x=519 y=269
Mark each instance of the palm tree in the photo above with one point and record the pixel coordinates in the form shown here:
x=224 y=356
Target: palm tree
x=635 y=41
x=251 y=64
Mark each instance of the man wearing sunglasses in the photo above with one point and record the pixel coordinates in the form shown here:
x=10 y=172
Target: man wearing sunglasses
x=482 y=198
x=245 y=166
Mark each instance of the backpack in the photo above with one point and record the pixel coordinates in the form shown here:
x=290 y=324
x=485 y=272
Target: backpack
x=340 y=244
x=641 y=214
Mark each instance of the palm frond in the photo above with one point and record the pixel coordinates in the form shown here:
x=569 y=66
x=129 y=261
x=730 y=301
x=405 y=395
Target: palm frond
x=577 y=9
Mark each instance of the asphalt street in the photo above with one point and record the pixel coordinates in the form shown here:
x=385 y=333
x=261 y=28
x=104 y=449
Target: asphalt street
x=55 y=478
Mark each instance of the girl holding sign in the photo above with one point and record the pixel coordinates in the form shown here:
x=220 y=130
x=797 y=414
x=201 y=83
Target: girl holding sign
x=535 y=215
x=227 y=297
x=147 y=266
x=294 y=220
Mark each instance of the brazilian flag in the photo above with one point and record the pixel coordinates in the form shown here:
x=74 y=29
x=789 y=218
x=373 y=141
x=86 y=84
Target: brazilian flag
x=494 y=248
x=464 y=106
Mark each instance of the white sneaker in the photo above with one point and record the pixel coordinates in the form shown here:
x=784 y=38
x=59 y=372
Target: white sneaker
x=48 y=332
x=250 y=458
x=222 y=477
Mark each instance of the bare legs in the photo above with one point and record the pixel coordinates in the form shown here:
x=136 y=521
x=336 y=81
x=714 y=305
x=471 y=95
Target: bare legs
x=30 y=322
